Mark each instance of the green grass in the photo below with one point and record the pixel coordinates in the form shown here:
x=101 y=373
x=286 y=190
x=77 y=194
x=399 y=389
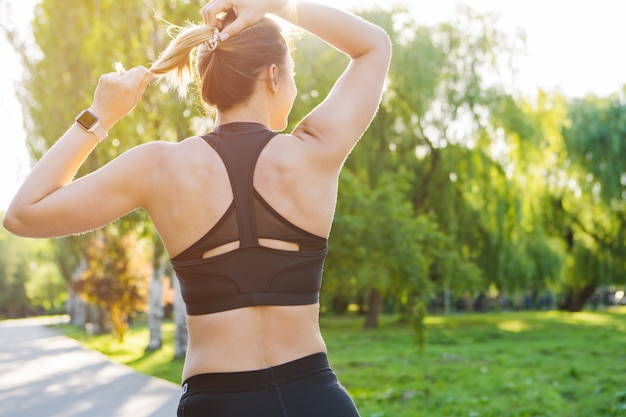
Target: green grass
x=532 y=364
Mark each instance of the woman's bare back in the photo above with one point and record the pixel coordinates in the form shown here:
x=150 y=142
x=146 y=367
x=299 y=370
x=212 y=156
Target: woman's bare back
x=193 y=193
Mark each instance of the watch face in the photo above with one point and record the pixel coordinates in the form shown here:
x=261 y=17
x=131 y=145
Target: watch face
x=87 y=119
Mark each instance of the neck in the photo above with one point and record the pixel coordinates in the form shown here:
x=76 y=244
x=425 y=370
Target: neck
x=251 y=111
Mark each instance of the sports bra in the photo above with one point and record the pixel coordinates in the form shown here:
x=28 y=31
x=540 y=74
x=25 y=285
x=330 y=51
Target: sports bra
x=251 y=275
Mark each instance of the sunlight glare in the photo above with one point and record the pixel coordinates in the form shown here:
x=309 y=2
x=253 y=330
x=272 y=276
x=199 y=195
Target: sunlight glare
x=514 y=326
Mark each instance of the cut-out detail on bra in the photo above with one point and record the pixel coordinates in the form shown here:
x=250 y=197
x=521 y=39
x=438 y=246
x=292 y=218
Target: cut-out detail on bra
x=220 y=250
x=266 y=243
x=279 y=245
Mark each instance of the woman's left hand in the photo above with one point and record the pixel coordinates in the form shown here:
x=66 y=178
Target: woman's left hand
x=118 y=93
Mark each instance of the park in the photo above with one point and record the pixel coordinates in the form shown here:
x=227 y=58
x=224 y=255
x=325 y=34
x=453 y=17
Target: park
x=477 y=260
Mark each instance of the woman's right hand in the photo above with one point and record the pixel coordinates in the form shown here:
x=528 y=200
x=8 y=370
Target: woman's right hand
x=117 y=93
x=248 y=12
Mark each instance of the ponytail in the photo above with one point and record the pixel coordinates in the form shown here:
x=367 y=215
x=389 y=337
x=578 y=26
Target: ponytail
x=177 y=64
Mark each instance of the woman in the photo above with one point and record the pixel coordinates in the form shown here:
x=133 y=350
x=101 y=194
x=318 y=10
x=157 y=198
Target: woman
x=243 y=212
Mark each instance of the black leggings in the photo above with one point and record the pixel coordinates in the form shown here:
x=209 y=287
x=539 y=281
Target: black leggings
x=307 y=387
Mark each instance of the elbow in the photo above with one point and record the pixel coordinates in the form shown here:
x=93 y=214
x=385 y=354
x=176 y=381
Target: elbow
x=386 y=45
x=382 y=45
x=10 y=223
x=15 y=223
x=377 y=44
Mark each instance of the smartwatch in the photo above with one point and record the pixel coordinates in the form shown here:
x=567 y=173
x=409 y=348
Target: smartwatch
x=91 y=123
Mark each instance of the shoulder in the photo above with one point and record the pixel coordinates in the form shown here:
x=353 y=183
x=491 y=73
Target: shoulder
x=312 y=147
x=288 y=150
x=152 y=165
x=162 y=154
x=163 y=149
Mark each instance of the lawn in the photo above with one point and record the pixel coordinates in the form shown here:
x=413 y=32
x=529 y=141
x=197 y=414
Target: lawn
x=530 y=364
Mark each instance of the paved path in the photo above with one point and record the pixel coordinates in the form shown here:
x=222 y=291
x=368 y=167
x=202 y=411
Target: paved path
x=45 y=374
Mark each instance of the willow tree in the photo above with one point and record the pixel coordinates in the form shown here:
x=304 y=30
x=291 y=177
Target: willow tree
x=594 y=209
x=568 y=157
x=436 y=123
x=535 y=158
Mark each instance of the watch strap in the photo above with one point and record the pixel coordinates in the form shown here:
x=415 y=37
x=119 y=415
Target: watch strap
x=99 y=131
x=89 y=122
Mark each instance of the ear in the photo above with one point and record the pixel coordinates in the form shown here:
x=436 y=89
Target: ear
x=273 y=77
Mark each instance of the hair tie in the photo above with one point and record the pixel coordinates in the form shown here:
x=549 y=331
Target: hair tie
x=211 y=44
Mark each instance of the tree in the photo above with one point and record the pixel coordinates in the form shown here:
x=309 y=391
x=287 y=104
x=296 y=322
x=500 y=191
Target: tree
x=378 y=246
x=560 y=152
x=14 y=267
x=181 y=334
x=595 y=205
x=155 y=310
x=435 y=122
x=45 y=287
x=115 y=279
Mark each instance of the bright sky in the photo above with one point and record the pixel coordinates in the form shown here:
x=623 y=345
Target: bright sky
x=573 y=46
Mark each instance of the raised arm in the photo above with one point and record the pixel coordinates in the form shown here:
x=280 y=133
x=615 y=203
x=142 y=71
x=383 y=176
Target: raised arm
x=49 y=203
x=345 y=114
x=342 y=118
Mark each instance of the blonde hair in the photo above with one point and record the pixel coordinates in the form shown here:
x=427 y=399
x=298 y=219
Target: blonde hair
x=177 y=62
x=227 y=75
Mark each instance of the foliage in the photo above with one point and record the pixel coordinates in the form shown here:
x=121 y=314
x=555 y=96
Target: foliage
x=116 y=276
x=595 y=141
x=534 y=160
x=45 y=286
x=597 y=148
x=560 y=153
x=30 y=282
x=14 y=268
x=546 y=364
x=363 y=258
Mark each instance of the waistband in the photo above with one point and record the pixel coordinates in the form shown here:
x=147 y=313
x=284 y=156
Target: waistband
x=252 y=380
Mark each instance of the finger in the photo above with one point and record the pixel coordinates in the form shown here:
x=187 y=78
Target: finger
x=220 y=24
x=236 y=26
x=212 y=10
x=147 y=77
x=137 y=73
x=141 y=77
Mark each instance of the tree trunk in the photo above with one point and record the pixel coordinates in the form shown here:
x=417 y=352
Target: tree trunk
x=447 y=310
x=155 y=301
x=155 y=312
x=339 y=304
x=76 y=306
x=575 y=300
x=180 y=320
x=375 y=301
x=99 y=318
x=77 y=309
